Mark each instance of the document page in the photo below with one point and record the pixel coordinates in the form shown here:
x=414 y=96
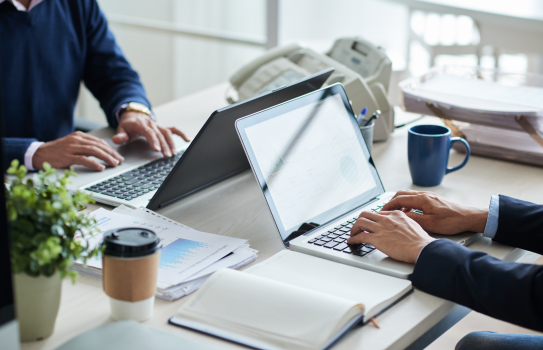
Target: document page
x=271 y=311
x=369 y=288
x=185 y=251
x=241 y=255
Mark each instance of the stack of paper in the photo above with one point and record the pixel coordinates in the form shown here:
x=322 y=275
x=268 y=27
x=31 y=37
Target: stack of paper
x=465 y=98
x=188 y=256
x=485 y=106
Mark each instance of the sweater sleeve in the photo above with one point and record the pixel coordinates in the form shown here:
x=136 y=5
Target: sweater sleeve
x=15 y=148
x=520 y=224
x=107 y=73
x=507 y=291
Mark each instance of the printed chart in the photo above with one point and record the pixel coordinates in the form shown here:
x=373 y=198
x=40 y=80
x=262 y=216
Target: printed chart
x=179 y=252
x=185 y=251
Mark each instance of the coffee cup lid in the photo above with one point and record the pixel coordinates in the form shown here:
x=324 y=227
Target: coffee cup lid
x=130 y=242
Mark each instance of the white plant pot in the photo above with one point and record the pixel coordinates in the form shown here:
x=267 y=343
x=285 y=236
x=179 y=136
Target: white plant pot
x=36 y=301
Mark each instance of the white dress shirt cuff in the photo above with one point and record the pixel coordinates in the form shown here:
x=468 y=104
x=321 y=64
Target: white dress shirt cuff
x=30 y=153
x=493 y=215
x=491 y=223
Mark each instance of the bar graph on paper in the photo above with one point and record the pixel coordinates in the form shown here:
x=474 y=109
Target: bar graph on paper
x=179 y=251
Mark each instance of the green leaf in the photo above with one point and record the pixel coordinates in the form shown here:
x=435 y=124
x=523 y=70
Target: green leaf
x=48 y=270
x=43 y=220
x=12 y=170
x=12 y=214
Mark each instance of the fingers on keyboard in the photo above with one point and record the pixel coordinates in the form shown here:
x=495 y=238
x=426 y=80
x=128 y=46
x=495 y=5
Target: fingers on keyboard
x=335 y=239
x=138 y=182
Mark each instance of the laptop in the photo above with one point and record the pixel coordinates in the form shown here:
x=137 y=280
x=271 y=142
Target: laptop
x=145 y=179
x=317 y=175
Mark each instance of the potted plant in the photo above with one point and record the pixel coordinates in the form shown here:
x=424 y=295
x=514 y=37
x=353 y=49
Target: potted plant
x=47 y=234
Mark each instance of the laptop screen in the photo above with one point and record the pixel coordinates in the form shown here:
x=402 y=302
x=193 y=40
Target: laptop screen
x=310 y=159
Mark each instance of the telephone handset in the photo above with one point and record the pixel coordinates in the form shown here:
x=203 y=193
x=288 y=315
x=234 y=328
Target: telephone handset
x=363 y=69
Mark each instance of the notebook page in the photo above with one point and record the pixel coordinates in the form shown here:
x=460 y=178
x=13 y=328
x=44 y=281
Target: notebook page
x=352 y=283
x=267 y=310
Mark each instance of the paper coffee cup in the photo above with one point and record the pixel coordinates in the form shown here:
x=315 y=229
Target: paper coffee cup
x=130 y=268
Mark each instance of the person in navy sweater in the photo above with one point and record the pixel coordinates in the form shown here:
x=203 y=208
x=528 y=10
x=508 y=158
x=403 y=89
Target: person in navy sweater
x=47 y=48
x=507 y=291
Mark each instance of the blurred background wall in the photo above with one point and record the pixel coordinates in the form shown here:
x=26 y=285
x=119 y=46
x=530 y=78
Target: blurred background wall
x=181 y=46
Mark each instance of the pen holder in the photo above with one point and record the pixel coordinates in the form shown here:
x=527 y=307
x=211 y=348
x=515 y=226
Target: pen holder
x=367 y=134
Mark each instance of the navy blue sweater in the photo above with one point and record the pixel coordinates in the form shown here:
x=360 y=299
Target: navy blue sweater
x=44 y=55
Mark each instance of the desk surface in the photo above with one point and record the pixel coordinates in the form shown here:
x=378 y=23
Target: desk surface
x=235 y=207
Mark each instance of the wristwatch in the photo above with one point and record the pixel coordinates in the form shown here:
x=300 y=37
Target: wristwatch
x=136 y=107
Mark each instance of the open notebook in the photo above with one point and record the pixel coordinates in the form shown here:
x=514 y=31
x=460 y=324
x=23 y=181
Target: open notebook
x=290 y=301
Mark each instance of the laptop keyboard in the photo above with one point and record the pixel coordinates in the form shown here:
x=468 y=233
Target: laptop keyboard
x=139 y=181
x=336 y=238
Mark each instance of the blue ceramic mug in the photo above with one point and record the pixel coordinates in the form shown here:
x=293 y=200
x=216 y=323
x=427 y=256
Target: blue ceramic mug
x=428 y=148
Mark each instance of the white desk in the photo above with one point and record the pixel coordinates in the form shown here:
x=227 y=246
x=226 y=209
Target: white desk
x=235 y=207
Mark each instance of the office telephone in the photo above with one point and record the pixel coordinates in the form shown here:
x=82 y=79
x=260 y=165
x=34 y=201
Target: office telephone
x=362 y=68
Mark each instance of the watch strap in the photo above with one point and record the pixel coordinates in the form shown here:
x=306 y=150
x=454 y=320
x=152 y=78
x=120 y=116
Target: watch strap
x=124 y=106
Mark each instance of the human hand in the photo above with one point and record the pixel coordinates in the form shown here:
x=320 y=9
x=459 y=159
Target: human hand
x=132 y=124
x=392 y=232
x=75 y=148
x=440 y=215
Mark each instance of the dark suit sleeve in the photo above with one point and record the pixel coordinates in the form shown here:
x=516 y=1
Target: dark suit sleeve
x=107 y=73
x=507 y=291
x=15 y=148
x=520 y=224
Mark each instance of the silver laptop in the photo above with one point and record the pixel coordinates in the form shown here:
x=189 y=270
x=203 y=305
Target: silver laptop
x=135 y=181
x=317 y=175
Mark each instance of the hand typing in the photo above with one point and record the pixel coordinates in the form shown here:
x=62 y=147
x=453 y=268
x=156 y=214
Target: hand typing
x=134 y=123
x=440 y=215
x=392 y=232
x=76 y=148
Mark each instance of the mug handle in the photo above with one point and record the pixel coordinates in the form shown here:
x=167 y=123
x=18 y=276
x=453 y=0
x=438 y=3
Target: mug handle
x=468 y=152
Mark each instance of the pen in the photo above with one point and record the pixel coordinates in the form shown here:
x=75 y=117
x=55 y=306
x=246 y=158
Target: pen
x=361 y=115
x=374 y=116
